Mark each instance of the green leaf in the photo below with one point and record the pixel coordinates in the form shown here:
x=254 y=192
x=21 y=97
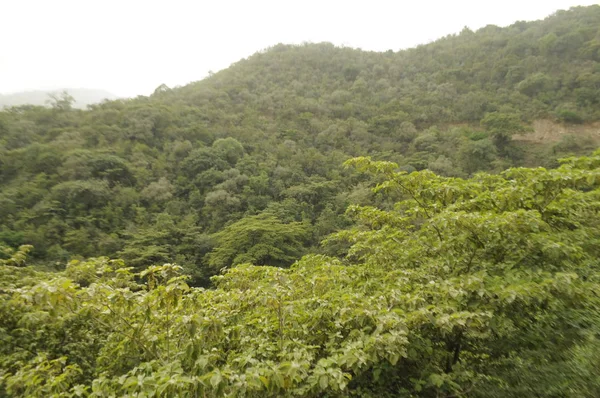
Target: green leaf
x=216 y=379
x=323 y=382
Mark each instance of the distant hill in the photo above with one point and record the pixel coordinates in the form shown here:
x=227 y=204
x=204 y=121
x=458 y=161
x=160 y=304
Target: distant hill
x=83 y=97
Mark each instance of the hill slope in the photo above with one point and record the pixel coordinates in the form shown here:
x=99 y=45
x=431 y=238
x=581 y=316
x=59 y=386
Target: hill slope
x=176 y=176
x=535 y=68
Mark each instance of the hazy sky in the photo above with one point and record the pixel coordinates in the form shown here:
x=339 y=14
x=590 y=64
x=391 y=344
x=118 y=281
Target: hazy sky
x=129 y=47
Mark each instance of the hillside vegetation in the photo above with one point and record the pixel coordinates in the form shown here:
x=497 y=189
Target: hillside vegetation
x=246 y=260
x=153 y=179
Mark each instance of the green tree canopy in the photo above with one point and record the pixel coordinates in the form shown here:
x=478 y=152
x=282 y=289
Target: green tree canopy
x=486 y=287
x=262 y=239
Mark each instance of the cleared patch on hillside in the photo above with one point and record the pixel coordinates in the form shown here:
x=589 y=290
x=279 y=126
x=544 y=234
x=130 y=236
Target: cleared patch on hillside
x=547 y=131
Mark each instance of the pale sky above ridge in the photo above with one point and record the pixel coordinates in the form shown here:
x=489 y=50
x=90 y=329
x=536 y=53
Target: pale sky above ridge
x=129 y=47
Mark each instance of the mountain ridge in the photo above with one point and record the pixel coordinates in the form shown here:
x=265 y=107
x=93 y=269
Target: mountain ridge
x=470 y=67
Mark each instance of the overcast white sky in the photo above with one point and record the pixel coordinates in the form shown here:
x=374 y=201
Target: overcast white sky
x=129 y=47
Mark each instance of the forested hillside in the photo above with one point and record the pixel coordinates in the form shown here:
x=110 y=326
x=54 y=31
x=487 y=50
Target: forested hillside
x=208 y=240
x=254 y=152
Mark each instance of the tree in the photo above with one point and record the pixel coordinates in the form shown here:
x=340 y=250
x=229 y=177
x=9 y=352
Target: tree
x=61 y=102
x=501 y=127
x=535 y=84
x=261 y=240
x=496 y=230
x=229 y=149
x=202 y=159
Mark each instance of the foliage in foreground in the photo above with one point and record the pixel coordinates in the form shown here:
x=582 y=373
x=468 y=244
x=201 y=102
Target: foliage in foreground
x=486 y=287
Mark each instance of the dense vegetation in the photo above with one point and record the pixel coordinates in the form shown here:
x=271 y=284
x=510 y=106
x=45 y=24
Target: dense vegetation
x=152 y=180
x=451 y=278
x=486 y=287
